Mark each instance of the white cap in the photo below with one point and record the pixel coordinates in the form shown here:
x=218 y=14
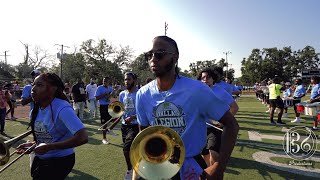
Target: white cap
x=288 y=84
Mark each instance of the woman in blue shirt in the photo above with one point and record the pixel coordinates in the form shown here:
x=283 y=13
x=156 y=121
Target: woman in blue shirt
x=56 y=129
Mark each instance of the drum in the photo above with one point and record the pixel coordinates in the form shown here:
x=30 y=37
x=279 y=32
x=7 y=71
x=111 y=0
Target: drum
x=300 y=107
x=288 y=102
x=311 y=109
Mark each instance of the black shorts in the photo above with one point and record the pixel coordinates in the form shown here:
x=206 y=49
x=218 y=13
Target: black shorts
x=129 y=132
x=213 y=141
x=296 y=101
x=104 y=114
x=276 y=103
x=53 y=168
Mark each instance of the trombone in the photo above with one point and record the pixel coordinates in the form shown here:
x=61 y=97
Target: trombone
x=5 y=153
x=157 y=152
x=116 y=110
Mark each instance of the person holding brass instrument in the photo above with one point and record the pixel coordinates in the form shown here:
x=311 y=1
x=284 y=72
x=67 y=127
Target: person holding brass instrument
x=130 y=126
x=184 y=105
x=56 y=129
x=211 y=152
x=103 y=93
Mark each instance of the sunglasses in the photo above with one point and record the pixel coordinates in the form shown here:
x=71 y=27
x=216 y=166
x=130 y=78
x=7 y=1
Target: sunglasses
x=157 y=54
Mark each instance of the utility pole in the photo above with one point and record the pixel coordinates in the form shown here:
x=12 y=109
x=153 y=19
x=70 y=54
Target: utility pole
x=227 y=53
x=26 y=46
x=61 y=57
x=165 y=28
x=5 y=56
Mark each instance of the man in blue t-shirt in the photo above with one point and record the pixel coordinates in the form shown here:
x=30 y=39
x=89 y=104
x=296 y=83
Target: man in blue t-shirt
x=129 y=128
x=315 y=97
x=184 y=105
x=26 y=92
x=103 y=94
x=297 y=95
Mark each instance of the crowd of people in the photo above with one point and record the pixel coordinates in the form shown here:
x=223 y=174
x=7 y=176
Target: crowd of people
x=281 y=95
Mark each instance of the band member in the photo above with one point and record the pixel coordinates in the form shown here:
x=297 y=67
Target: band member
x=184 y=105
x=3 y=108
x=130 y=126
x=56 y=129
x=315 y=97
x=103 y=94
x=286 y=94
x=211 y=151
x=275 y=100
x=299 y=92
x=26 y=92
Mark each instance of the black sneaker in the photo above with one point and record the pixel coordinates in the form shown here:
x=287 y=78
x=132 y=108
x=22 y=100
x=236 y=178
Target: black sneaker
x=273 y=123
x=281 y=123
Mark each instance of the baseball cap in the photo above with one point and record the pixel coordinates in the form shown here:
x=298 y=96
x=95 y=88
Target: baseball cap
x=288 y=84
x=35 y=72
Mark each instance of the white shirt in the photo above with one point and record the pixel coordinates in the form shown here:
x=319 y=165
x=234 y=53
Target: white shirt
x=91 y=90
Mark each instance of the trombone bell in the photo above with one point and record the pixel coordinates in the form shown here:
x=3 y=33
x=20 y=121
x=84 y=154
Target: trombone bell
x=116 y=109
x=157 y=152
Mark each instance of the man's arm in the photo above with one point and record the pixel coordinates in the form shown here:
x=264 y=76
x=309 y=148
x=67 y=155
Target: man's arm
x=228 y=139
x=26 y=101
x=234 y=108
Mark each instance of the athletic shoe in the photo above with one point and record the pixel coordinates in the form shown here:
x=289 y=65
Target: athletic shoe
x=128 y=175
x=273 y=123
x=13 y=118
x=285 y=115
x=104 y=141
x=111 y=133
x=295 y=121
x=314 y=128
x=281 y=123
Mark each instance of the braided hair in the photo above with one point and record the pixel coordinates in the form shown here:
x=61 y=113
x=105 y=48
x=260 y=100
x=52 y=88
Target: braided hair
x=52 y=80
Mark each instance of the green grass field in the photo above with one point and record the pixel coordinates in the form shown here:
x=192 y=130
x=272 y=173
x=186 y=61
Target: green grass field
x=97 y=161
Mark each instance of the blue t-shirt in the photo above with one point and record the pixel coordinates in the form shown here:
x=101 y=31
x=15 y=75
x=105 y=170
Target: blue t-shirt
x=101 y=90
x=228 y=87
x=287 y=93
x=56 y=123
x=185 y=108
x=26 y=93
x=128 y=100
x=300 y=91
x=222 y=94
x=315 y=91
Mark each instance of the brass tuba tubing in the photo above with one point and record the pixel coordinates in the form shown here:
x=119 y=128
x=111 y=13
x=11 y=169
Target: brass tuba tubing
x=5 y=146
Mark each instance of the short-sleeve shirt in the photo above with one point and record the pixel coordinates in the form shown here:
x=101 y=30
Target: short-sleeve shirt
x=26 y=93
x=274 y=91
x=300 y=91
x=3 y=100
x=79 y=93
x=228 y=87
x=128 y=100
x=91 y=90
x=287 y=92
x=101 y=90
x=56 y=123
x=315 y=92
x=185 y=108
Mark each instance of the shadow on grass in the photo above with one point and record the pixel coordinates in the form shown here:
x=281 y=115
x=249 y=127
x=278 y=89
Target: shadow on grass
x=264 y=171
x=81 y=175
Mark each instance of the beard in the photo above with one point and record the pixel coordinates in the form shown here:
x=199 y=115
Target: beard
x=130 y=86
x=167 y=68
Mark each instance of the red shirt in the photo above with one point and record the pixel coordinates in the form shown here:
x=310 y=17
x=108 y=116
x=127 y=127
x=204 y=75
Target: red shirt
x=3 y=100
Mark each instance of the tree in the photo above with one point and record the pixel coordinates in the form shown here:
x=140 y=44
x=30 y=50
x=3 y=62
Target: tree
x=140 y=67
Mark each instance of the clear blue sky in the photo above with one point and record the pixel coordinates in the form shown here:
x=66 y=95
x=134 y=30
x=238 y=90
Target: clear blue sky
x=203 y=29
